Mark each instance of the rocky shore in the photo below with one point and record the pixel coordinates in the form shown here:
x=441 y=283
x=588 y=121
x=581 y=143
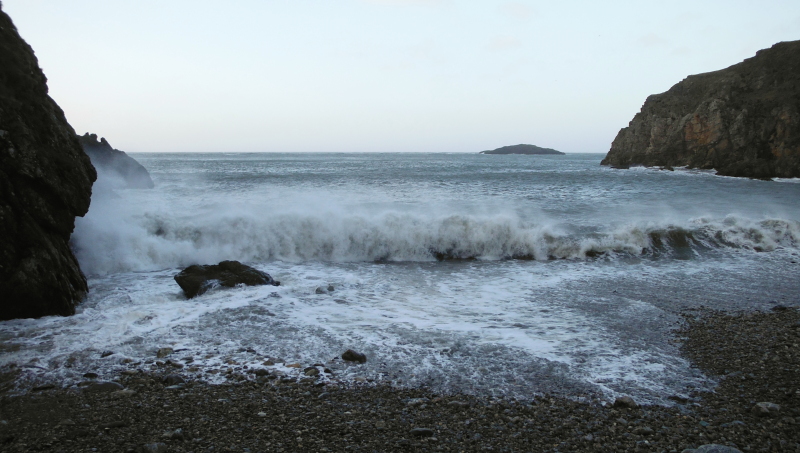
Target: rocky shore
x=756 y=407
x=741 y=121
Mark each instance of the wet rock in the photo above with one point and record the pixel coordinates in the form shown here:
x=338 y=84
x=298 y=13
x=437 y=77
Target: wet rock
x=106 y=353
x=625 y=402
x=197 y=279
x=261 y=372
x=103 y=387
x=311 y=371
x=422 y=432
x=42 y=388
x=712 y=448
x=174 y=379
x=766 y=409
x=90 y=375
x=353 y=356
x=163 y=352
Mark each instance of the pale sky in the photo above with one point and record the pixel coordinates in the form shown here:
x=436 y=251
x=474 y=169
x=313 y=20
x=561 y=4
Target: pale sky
x=379 y=75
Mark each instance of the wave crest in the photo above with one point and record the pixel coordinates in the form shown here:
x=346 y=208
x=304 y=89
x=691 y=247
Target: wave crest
x=158 y=241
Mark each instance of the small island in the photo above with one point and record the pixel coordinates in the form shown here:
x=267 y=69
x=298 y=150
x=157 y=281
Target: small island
x=522 y=149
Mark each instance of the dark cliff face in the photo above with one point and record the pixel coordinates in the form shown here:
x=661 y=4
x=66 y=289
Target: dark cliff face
x=741 y=121
x=45 y=181
x=122 y=170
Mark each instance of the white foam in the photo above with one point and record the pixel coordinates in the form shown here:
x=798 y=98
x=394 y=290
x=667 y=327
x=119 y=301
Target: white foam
x=154 y=233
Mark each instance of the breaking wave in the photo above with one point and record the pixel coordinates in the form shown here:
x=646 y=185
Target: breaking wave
x=159 y=241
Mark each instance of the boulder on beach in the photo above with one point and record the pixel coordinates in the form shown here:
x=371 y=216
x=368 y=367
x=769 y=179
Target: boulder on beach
x=197 y=279
x=353 y=356
x=45 y=182
x=115 y=164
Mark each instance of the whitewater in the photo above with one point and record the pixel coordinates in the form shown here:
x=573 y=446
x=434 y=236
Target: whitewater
x=487 y=274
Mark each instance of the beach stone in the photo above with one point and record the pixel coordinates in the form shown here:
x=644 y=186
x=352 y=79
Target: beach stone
x=261 y=372
x=321 y=290
x=114 y=424
x=124 y=392
x=422 y=432
x=174 y=379
x=163 y=352
x=197 y=279
x=625 y=402
x=712 y=448
x=90 y=375
x=353 y=356
x=766 y=409
x=106 y=354
x=103 y=387
x=311 y=372
x=156 y=447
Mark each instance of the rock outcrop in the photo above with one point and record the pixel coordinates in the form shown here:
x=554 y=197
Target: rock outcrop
x=122 y=169
x=741 y=121
x=197 y=279
x=45 y=181
x=522 y=149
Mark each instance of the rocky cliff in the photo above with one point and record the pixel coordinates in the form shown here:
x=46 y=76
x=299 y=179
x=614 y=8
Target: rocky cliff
x=114 y=164
x=741 y=121
x=45 y=181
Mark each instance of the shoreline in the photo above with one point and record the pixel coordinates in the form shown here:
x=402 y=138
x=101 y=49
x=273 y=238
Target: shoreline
x=755 y=356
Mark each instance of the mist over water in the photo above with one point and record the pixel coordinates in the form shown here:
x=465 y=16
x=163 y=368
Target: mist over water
x=487 y=274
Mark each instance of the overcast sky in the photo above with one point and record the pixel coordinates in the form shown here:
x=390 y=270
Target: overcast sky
x=379 y=75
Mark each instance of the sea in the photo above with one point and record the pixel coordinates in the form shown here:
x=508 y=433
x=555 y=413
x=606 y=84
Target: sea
x=496 y=275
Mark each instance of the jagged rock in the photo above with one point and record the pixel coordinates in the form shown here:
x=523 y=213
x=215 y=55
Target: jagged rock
x=353 y=356
x=197 y=279
x=741 y=121
x=122 y=169
x=522 y=149
x=45 y=181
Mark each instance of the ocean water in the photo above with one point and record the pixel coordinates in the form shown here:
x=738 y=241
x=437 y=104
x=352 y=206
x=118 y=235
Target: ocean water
x=493 y=275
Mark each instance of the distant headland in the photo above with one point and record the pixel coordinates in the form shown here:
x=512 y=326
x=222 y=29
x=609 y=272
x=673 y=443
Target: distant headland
x=522 y=149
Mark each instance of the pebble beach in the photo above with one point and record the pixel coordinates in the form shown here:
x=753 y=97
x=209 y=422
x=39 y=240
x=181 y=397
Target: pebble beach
x=755 y=407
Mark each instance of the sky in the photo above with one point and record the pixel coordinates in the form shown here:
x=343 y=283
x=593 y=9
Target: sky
x=379 y=75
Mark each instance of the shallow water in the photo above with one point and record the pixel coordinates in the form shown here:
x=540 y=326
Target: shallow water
x=506 y=275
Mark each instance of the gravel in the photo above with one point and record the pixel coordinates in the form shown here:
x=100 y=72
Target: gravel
x=755 y=356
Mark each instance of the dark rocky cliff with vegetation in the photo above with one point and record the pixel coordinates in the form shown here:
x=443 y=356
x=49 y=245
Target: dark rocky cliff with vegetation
x=115 y=164
x=741 y=121
x=45 y=181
